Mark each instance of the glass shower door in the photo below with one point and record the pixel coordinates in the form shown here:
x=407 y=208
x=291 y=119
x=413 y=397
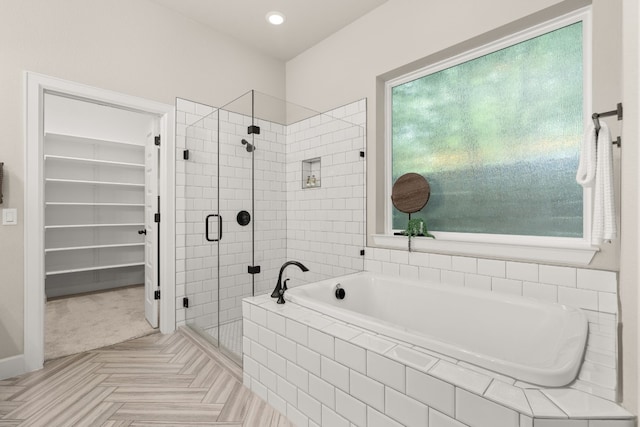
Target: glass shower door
x=198 y=223
x=248 y=206
x=236 y=156
x=218 y=216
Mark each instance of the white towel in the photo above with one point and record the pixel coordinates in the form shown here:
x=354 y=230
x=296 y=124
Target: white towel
x=596 y=169
x=587 y=167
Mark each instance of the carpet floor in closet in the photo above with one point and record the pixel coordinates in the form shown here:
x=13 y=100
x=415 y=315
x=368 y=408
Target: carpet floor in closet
x=86 y=322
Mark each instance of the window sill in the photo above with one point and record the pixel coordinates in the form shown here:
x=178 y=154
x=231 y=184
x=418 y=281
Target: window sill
x=556 y=251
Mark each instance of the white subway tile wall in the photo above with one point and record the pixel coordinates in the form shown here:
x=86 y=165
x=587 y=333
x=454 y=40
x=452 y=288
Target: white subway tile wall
x=326 y=223
x=473 y=410
x=270 y=204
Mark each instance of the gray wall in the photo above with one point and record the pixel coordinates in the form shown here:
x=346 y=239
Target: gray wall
x=133 y=47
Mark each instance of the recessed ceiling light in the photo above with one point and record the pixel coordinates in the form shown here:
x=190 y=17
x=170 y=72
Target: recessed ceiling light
x=275 y=18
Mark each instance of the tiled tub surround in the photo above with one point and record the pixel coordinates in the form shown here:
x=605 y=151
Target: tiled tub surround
x=594 y=291
x=323 y=372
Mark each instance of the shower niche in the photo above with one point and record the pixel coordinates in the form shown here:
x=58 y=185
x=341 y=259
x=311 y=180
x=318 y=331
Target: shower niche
x=311 y=173
x=248 y=156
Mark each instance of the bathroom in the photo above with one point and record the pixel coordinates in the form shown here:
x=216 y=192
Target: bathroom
x=344 y=69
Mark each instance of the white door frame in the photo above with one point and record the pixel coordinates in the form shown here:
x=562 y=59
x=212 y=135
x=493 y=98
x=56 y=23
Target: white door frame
x=34 y=296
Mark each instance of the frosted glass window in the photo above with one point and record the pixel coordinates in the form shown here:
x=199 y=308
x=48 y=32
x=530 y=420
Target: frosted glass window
x=498 y=139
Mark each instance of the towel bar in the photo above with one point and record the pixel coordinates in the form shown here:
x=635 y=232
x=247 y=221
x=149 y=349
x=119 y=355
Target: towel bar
x=596 y=120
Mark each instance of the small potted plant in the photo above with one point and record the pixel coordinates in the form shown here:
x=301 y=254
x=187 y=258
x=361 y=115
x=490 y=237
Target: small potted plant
x=417 y=227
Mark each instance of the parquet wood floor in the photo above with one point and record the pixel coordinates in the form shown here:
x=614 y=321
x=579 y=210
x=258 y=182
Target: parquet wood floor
x=157 y=380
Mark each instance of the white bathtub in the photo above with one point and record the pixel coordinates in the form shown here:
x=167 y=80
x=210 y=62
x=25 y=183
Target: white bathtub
x=525 y=339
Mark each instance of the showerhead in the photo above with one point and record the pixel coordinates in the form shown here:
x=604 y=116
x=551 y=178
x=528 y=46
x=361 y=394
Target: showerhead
x=249 y=145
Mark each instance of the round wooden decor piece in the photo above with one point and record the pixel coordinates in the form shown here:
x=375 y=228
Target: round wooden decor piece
x=410 y=193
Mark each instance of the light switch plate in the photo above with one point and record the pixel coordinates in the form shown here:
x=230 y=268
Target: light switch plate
x=9 y=217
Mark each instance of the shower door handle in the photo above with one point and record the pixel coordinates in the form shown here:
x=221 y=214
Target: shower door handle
x=207 y=232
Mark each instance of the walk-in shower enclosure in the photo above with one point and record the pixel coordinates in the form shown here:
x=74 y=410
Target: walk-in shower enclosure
x=261 y=181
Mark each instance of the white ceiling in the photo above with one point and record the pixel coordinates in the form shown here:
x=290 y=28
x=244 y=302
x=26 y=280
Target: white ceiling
x=308 y=21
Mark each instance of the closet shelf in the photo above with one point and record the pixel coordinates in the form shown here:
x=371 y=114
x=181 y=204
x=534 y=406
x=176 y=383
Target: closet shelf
x=101 y=267
x=79 y=248
x=132 y=205
x=96 y=161
x=86 y=140
x=49 y=227
x=78 y=181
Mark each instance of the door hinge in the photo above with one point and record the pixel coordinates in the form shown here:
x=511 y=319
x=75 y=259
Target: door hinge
x=253 y=129
x=362 y=154
x=156 y=295
x=185 y=154
x=156 y=217
x=185 y=302
x=253 y=269
x=361 y=252
x=156 y=140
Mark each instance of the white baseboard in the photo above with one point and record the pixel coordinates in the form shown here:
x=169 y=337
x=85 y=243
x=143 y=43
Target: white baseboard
x=12 y=366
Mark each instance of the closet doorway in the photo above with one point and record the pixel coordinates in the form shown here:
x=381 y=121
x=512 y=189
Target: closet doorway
x=100 y=198
x=98 y=182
